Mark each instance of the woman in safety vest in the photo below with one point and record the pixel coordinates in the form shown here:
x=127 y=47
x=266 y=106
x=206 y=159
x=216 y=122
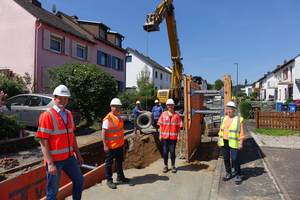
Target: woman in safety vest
x=169 y=133
x=231 y=137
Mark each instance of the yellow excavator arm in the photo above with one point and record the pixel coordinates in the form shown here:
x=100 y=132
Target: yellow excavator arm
x=166 y=11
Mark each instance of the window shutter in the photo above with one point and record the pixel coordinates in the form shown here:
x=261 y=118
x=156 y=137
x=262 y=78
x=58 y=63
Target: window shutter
x=45 y=78
x=114 y=62
x=99 y=54
x=46 y=39
x=108 y=60
x=67 y=46
x=89 y=51
x=74 y=48
x=121 y=86
x=122 y=65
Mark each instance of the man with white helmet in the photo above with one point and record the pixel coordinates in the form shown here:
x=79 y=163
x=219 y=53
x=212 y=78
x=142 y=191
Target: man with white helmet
x=113 y=141
x=59 y=145
x=170 y=124
x=231 y=137
x=156 y=112
x=137 y=111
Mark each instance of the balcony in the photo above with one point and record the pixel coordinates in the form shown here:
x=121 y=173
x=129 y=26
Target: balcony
x=272 y=85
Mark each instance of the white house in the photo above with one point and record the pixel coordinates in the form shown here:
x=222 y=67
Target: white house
x=267 y=90
x=248 y=90
x=136 y=62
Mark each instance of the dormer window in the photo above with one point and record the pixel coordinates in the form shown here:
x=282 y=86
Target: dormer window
x=118 y=42
x=102 y=33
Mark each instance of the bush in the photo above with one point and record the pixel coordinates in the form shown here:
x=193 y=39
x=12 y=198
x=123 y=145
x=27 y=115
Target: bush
x=245 y=107
x=150 y=102
x=12 y=84
x=10 y=127
x=241 y=94
x=289 y=100
x=128 y=100
x=254 y=95
x=92 y=87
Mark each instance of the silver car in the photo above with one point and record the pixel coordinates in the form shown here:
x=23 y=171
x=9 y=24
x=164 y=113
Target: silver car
x=29 y=107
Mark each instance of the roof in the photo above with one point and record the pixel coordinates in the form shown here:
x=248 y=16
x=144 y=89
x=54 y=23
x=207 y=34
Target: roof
x=147 y=59
x=47 y=17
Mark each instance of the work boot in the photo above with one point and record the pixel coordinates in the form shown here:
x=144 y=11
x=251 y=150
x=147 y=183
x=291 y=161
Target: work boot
x=174 y=170
x=111 y=185
x=238 y=180
x=165 y=170
x=141 y=132
x=227 y=177
x=123 y=179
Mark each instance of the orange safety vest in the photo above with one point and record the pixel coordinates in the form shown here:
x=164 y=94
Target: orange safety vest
x=115 y=133
x=60 y=136
x=169 y=126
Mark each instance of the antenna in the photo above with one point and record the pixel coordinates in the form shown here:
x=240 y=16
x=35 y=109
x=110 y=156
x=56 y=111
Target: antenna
x=54 y=8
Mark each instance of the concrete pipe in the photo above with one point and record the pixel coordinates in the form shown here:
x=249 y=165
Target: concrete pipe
x=145 y=120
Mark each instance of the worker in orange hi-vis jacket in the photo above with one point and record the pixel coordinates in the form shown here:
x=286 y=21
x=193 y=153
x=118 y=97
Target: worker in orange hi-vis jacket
x=170 y=123
x=59 y=145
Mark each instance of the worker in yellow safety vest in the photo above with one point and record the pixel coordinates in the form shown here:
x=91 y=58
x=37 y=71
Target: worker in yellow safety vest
x=231 y=137
x=113 y=141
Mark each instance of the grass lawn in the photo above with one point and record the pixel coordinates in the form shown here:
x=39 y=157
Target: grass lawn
x=276 y=132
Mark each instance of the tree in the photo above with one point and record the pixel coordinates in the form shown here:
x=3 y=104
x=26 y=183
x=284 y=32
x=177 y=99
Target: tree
x=143 y=80
x=92 y=87
x=219 y=84
x=12 y=84
x=246 y=82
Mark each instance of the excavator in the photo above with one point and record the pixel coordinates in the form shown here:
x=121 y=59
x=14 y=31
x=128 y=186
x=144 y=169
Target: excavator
x=166 y=11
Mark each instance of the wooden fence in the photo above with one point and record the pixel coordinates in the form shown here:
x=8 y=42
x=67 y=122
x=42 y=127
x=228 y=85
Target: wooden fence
x=277 y=120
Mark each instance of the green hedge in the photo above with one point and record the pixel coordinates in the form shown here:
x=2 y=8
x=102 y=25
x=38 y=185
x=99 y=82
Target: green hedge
x=245 y=107
x=10 y=128
x=150 y=102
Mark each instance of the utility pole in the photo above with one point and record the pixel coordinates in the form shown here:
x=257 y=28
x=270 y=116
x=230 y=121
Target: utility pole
x=236 y=88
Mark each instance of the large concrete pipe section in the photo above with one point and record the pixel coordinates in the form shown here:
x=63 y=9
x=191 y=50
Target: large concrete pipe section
x=145 y=120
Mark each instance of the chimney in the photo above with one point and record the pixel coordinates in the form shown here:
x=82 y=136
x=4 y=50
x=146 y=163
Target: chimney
x=36 y=3
x=284 y=61
x=74 y=17
x=278 y=66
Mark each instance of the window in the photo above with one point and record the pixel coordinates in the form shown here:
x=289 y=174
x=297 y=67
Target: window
x=285 y=73
x=284 y=93
x=102 y=33
x=117 y=63
x=128 y=58
x=155 y=88
x=103 y=59
x=18 y=101
x=291 y=73
x=155 y=74
x=118 y=42
x=80 y=51
x=279 y=94
x=170 y=79
x=4 y=69
x=166 y=77
x=46 y=101
x=161 y=87
x=34 y=101
x=120 y=86
x=56 y=43
x=161 y=76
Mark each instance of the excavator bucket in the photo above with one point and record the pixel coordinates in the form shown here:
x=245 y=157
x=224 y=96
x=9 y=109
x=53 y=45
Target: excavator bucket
x=150 y=27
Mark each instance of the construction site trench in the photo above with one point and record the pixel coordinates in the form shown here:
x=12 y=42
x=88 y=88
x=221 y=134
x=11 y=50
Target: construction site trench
x=139 y=152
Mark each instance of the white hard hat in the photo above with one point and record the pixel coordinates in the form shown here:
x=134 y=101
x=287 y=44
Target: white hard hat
x=62 y=90
x=170 y=101
x=156 y=101
x=115 y=102
x=231 y=104
x=138 y=102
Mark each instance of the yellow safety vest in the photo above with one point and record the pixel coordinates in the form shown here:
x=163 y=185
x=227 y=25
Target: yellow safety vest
x=234 y=132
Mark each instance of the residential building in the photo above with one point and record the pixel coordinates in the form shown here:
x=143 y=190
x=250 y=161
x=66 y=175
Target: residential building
x=136 y=62
x=34 y=40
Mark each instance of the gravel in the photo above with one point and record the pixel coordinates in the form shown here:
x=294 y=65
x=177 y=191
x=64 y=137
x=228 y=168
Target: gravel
x=290 y=141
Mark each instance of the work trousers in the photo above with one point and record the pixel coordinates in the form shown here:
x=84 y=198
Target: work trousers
x=169 y=145
x=116 y=153
x=226 y=149
x=71 y=168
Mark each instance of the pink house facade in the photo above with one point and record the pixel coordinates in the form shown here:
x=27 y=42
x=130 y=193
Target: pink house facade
x=34 y=40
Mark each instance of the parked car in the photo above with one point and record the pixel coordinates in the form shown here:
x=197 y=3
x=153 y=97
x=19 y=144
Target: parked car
x=29 y=107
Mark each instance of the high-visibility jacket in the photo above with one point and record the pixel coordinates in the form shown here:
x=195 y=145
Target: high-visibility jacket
x=234 y=132
x=60 y=136
x=169 y=125
x=115 y=133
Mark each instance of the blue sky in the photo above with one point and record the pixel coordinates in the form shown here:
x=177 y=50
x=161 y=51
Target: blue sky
x=213 y=34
